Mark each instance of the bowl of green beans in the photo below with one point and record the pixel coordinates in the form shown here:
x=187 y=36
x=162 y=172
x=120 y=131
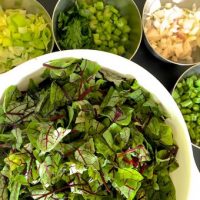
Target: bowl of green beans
x=186 y=93
x=108 y=25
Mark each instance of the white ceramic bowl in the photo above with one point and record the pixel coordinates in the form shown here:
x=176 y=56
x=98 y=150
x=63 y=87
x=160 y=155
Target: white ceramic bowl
x=186 y=177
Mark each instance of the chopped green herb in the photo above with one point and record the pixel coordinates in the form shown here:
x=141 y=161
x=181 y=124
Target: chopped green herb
x=94 y=25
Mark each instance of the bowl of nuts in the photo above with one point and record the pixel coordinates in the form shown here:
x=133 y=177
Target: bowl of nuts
x=172 y=30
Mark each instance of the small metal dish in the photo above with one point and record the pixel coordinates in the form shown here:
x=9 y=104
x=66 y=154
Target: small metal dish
x=127 y=8
x=189 y=72
x=149 y=8
x=33 y=7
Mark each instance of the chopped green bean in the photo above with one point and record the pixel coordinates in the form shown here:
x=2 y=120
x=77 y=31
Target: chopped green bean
x=176 y=94
x=186 y=103
x=178 y=100
x=121 y=50
x=194 y=77
x=179 y=85
x=193 y=117
x=187 y=96
x=187 y=118
x=190 y=82
x=193 y=94
x=195 y=107
x=184 y=97
x=185 y=111
x=196 y=100
x=192 y=134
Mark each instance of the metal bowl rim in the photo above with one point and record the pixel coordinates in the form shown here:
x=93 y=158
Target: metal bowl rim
x=139 y=41
x=155 y=52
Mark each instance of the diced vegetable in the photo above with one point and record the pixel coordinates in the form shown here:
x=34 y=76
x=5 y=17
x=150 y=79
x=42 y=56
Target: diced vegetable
x=22 y=36
x=79 y=27
x=174 y=32
x=187 y=96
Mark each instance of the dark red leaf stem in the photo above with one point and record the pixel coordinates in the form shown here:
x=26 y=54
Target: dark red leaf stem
x=58 y=190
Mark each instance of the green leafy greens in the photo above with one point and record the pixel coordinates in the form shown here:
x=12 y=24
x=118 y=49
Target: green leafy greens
x=84 y=133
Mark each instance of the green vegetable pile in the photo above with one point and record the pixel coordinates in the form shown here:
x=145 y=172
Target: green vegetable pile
x=94 y=25
x=187 y=96
x=84 y=133
x=22 y=36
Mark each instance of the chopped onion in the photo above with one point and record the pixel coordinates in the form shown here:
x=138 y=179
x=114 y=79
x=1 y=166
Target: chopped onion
x=174 y=32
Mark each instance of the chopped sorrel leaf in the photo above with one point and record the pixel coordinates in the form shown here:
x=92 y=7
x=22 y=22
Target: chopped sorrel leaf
x=84 y=133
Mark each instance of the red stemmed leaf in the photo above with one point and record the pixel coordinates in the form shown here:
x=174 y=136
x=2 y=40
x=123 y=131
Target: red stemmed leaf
x=49 y=139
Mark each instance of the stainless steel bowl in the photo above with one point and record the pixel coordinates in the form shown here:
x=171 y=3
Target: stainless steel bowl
x=150 y=7
x=192 y=70
x=127 y=8
x=31 y=6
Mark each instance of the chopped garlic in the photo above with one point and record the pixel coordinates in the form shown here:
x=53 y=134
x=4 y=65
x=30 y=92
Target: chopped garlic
x=174 y=32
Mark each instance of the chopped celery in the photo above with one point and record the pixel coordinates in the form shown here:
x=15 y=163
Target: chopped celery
x=106 y=28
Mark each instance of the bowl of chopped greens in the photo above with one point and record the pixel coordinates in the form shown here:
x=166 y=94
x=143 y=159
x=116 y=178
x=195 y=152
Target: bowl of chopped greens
x=85 y=124
x=25 y=32
x=108 y=25
x=186 y=93
x=172 y=30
